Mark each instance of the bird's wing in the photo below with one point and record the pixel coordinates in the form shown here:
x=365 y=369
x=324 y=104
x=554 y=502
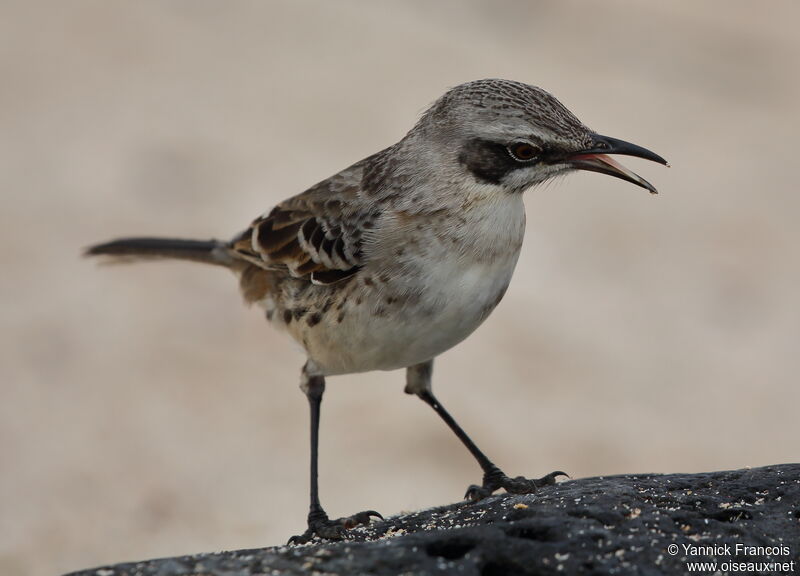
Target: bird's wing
x=316 y=235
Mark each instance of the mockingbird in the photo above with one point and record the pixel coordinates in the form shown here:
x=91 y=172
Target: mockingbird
x=399 y=257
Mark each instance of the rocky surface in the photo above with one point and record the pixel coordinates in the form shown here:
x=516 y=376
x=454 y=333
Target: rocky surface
x=606 y=525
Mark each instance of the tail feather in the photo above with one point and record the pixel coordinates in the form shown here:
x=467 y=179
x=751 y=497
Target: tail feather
x=124 y=249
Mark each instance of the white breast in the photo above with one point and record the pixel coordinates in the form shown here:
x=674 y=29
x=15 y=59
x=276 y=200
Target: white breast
x=459 y=269
x=463 y=288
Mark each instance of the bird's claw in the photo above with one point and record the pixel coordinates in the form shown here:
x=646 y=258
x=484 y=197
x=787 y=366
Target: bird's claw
x=519 y=485
x=359 y=518
x=320 y=525
x=475 y=493
x=522 y=485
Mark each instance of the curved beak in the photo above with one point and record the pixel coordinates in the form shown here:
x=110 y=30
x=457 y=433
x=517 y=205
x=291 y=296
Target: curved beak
x=596 y=159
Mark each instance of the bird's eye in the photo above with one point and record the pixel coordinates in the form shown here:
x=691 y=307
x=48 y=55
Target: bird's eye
x=523 y=151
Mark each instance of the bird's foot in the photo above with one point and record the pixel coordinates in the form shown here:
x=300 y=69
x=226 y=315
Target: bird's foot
x=495 y=479
x=320 y=525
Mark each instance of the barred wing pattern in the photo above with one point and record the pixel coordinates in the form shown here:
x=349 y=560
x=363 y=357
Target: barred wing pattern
x=315 y=235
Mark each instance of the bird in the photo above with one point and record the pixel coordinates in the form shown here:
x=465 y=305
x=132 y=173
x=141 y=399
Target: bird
x=399 y=257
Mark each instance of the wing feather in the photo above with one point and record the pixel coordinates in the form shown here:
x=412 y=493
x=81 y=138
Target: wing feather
x=316 y=235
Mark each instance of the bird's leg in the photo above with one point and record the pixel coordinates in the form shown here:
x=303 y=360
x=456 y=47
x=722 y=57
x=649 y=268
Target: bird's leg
x=418 y=381
x=318 y=522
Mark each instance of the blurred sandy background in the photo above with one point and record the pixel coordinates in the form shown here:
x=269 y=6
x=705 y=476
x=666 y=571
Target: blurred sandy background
x=144 y=412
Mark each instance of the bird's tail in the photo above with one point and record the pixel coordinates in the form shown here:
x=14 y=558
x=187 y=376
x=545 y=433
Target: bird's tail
x=133 y=249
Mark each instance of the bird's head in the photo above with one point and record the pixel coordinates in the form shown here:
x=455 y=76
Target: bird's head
x=515 y=136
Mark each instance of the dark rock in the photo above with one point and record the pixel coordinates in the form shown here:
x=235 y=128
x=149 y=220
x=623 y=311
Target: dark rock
x=606 y=525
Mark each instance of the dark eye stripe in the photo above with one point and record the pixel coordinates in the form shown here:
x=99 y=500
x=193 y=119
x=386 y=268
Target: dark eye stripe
x=489 y=161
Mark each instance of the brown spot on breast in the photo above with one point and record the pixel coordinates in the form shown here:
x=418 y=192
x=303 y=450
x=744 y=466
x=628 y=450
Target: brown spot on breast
x=287 y=316
x=299 y=313
x=314 y=319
